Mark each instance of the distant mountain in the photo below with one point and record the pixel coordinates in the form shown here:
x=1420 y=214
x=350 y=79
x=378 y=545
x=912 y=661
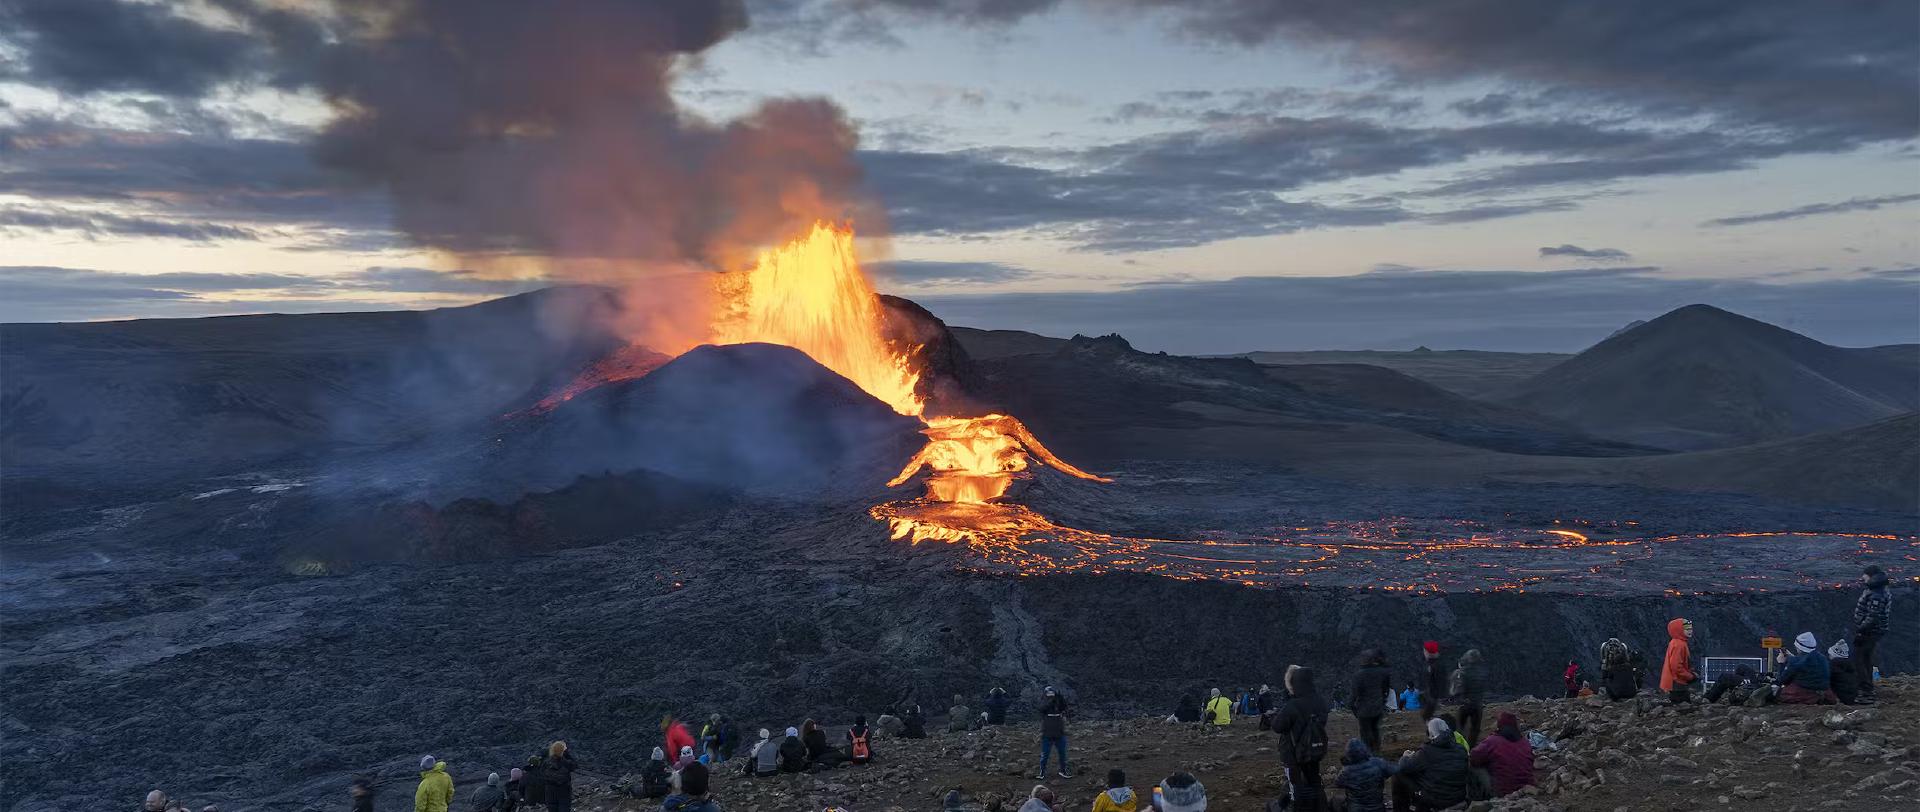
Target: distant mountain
x=1700 y=377
x=1872 y=466
x=1474 y=373
x=983 y=344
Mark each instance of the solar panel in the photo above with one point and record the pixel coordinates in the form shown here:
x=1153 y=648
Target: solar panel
x=1712 y=667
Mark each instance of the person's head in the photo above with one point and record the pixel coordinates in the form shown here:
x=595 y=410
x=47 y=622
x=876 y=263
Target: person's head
x=1042 y=794
x=362 y=785
x=1680 y=628
x=1453 y=722
x=809 y=726
x=1181 y=792
x=792 y=732
x=686 y=751
x=659 y=754
x=1472 y=657
x=765 y=734
x=1374 y=657
x=1116 y=778
x=1508 y=725
x=957 y=700
x=713 y=717
x=997 y=691
x=954 y=801
x=493 y=779
x=1300 y=680
x=427 y=762
x=1357 y=752
x=1431 y=649
x=1805 y=643
x=693 y=780
x=1438 y=728
x=1049 y=692
x=860 y=720
x=1873 y=576
x=666 y=721
x=1264 y=688
x=556 y=749
x=156 y=801
x=517 y=774
x=1215 y=693
x=1840 y=650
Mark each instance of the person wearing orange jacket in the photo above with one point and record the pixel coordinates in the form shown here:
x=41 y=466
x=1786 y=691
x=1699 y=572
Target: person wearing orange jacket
x=1676 y=674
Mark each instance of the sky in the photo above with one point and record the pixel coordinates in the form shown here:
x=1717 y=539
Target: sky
x=1206 y=176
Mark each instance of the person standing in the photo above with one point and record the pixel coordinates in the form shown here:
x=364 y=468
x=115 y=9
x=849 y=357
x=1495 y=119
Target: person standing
x=1470 y=686
x=435 y=792
x=1371 y=687
x=1302 y=726
x=1676 y=672
x=1053 y=730
x=1570 y=679
x=1436 y=683
x=1872 y=614
x=559 y=774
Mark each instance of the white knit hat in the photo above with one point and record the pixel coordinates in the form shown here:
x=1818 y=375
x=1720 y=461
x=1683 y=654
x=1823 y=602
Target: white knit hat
x=1805 y=642
x=1437 y=728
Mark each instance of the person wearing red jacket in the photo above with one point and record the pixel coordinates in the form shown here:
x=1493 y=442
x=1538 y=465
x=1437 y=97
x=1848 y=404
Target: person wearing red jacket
x=1571 y=679
x=676 y=733
x=1506 y=755
x=1676 y=674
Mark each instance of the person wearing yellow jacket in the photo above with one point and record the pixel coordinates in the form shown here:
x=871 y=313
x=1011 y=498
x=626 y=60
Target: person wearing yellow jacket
x=1219 y=710
x=1119 y=797
x=436 y=787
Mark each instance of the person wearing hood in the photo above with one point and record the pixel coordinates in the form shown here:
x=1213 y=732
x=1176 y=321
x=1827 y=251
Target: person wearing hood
x=763 y=758
x=1039 y=800
x=692 y=797
x=1188 y=709
x=1806 y=677
x=1570 y=679
x=859 y=741
x=997 y=703
x=1119 y=797
x=959 y=716
x=790 y=753
x=1872 y=616
x=1436 y=680
x=1676 y=672
x=559 y=775
x=1371 y=684
x=1053 y=730
x=360 y=792
x=1470 y=686
x=1845 y=684
x=1181 y=792
x=1219 y=711
x=1363 y=776
x=1302 y=726
x=1616 y=672
x=489 y=797
x=1506 y=755
x=1436 y=776
x=435 y=792
x=914 y=724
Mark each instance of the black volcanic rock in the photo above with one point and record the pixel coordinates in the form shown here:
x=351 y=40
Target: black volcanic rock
x=1701 y=377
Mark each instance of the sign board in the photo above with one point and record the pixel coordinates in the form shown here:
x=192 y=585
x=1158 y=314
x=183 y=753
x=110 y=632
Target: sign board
x=1770 y=643
x=1712 y=667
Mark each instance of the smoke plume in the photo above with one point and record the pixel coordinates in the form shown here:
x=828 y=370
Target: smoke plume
x=506 y=128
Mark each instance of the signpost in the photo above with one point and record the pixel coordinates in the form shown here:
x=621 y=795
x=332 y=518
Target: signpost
x=1772 y=644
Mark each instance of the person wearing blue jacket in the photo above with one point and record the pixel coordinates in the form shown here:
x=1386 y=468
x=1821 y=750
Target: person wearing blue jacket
x=1364 y=777
x=1807 y=677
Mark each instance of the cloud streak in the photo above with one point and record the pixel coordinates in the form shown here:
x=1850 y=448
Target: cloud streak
x=1597 y=254
x=1813 y=210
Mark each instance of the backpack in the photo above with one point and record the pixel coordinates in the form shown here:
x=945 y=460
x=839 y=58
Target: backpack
x=859 y=749
x=1309 y=739
x=1613 y=656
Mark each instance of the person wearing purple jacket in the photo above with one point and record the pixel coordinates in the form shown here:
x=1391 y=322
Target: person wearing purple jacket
x=1507 y=756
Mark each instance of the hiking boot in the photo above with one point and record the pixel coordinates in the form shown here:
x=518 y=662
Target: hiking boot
x=1040 y=776
x=1063 y=774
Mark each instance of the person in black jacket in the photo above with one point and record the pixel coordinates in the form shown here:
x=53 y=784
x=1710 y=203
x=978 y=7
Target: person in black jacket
x=1053 y=730
x=654 y=780
x=996 y=705
x=516 y=790
x=1435 y=777
x=362 y=793
x=1844 y=682
x=1188 y=709
x=537 y=779
x=792 y=754
x=1872 y=615
x=1435 y=685
x=1264 y=705
x=559 y=774
x=1302 y=726
x=1370 y=688
x=913 y=725
x=1470 y=686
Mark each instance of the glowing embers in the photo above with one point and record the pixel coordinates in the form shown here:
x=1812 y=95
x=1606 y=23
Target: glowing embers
x=811 y=295
x=974 y=459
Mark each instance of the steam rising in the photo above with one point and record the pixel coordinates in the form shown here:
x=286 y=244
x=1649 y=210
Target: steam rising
x=548 y=130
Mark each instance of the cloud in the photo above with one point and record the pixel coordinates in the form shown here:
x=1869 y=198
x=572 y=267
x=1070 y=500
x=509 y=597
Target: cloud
x=1599 y=254
x=1498 y=309
x=913 y=272
x=49 y=293
x=103 y=224
x=1815 y=209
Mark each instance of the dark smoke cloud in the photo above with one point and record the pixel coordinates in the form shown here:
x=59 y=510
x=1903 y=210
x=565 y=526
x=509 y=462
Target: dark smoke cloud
x=549 y=128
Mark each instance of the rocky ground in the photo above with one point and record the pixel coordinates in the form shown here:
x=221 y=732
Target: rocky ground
x=1641 y=755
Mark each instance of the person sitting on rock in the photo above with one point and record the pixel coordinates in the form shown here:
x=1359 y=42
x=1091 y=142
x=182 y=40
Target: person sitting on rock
x=1039 y=800
x=955 y=801
x=859 y=741
x=1807 y=677
x=655 y=779
x=680 y=761
x=1436 y=776
x=1616 y=673
x=1188 y=709
x=763 y=758
x=435 y=792
x=1181 y=792
x=1586 y=689
x=1676 y=671
x=819 y=752
x=1506 y=755
x=1219 y=711
x=997 y=703
x=1734 y=686
x=1119 y=797
x=914 y=724
x=888 y=724
x=692 y=796
x=790 y=754
x=958 y=716
x=1363 y=776
x=1453 y=724
x=1053 y=730
x=489 y=797
x=1845 y=682
x=1410 y=698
